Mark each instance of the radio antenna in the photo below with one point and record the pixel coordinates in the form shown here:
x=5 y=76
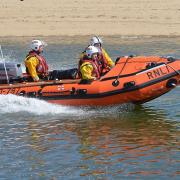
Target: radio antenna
x=4 y=65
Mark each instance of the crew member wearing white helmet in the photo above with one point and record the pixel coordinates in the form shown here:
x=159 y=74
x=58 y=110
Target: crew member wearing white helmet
x=35 y=63
x=104 y=59
x=89 y=67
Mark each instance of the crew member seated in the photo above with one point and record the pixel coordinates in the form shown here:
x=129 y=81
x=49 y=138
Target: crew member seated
x=35 y=63
x=104 y=60
x=89 y=68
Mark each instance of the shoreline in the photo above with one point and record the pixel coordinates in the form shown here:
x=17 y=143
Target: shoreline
x=102 y=17
x=79 y=39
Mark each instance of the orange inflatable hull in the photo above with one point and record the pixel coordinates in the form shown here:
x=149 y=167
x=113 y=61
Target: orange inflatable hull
x=132 y=80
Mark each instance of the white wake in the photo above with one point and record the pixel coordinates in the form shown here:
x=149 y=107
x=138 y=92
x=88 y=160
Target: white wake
x=14 y=104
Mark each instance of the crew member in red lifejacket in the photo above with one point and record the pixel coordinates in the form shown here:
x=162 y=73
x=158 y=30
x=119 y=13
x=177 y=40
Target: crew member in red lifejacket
x=89 y=68
x=35 y=63
x=105 y=61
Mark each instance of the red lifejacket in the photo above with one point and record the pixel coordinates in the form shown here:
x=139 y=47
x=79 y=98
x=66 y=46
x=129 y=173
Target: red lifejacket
x=102 y=61
x=42 y=67
x=96 y=68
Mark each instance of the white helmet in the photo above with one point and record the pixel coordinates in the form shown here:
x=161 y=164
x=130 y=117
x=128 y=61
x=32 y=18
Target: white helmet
x=35 y=44
x=95 y=40
x=91 y=50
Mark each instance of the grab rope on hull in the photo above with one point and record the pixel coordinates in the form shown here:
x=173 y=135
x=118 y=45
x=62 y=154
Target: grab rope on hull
x=116 y=81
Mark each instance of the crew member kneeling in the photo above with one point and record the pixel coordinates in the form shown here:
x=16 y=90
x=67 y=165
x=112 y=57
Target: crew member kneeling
x=89 y=67
x=35 y=63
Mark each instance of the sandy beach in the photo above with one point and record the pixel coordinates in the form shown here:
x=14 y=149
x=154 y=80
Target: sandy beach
x=83 y=17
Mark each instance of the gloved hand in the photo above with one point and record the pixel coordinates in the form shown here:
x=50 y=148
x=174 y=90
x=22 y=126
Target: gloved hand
x=36 y=79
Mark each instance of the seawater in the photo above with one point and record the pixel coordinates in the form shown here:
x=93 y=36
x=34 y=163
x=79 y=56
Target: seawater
x=39 y=140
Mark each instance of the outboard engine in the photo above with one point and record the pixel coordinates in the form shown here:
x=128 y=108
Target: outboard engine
x=14 y=72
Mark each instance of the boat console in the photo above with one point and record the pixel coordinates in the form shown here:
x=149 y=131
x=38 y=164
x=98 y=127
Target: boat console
x=11 y=71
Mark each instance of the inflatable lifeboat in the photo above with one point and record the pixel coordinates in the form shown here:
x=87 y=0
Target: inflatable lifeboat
x=132 y=80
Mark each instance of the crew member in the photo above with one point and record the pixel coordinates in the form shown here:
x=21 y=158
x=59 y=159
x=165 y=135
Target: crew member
x=35 y=63
x=104 y=60
x=89 y=68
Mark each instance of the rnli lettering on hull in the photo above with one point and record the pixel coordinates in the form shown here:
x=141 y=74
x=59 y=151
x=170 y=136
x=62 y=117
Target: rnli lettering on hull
x=157 y=72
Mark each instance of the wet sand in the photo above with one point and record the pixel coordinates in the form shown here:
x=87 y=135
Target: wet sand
x=84 y=17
